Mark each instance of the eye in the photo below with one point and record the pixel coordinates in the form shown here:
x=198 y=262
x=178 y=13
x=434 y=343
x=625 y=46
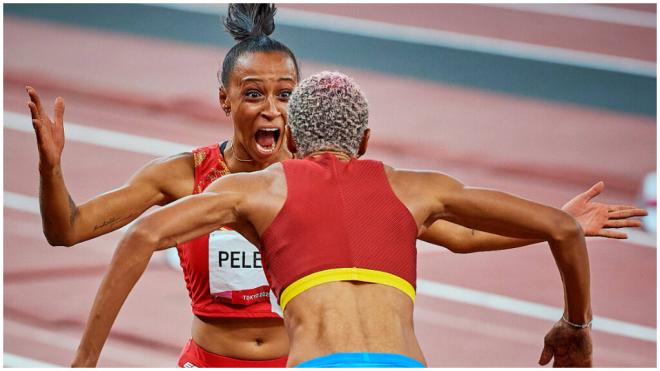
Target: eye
x=285 y=94
x=252 y=94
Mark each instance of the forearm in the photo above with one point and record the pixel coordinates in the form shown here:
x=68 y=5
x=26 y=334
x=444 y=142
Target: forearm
x=463 y=240
x=484 y=241
x=58 y=211
x=128 y=264
x=571 y=257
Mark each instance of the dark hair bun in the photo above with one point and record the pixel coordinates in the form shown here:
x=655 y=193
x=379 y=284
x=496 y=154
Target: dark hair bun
x=250 y=20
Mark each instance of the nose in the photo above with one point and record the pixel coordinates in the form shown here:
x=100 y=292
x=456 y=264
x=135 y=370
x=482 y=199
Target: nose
x=271 y=111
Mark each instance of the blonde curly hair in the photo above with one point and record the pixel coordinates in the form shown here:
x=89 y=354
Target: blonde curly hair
x=328 y=111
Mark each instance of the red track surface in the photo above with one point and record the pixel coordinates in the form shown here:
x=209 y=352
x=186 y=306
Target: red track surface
x=148 y=87
x=480 y=20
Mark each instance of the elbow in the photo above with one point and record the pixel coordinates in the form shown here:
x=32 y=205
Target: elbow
x=59 y=239
x=141 y=235
x=565 y=228
x=463 y=249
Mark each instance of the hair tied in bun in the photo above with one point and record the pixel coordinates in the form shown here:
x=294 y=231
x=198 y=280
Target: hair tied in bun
x=244 y=21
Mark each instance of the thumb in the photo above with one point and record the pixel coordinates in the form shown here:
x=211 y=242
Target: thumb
x=546 y=355
x=595 y=190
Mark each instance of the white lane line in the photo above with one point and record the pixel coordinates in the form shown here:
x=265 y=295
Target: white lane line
x=601 y=13
x=13 y=360
x=448 y=292
x=102 y=137
x=432 y=37
x=21 y=202
x=527 y=308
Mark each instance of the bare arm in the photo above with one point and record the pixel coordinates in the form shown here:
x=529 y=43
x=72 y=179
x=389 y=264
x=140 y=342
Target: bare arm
x=463 y=240
x=504 y=214
x=596 y=220
x=64 y=222
x=180 y=221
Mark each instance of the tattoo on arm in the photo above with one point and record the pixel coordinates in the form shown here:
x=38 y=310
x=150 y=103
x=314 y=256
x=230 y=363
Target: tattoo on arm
x=111 y=221
x=73 y=211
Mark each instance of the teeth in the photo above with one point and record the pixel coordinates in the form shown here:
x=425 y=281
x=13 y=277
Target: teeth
x=266 y=149
x=270 y=129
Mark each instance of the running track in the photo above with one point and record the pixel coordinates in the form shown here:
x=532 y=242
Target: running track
x=146 y=87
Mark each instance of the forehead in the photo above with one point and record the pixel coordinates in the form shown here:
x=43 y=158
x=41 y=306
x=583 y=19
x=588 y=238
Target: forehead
x=270 y=65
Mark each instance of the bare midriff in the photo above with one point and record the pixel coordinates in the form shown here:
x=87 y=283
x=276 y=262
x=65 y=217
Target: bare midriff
x=242 y=338
x=350 y=316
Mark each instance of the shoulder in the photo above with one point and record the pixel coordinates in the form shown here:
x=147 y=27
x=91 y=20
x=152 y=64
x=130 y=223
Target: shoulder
x=172 y=175
x=248 y=182
x=418 y=180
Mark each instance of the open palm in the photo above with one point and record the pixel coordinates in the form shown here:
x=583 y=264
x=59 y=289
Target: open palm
x=598 y=219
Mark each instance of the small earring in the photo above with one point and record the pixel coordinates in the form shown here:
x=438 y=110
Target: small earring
x=227 y=111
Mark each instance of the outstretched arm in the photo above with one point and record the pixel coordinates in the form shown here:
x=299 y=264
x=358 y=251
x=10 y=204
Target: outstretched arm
x=504 y=214
x=596 y=220
x=66 y=223
x=183 y=220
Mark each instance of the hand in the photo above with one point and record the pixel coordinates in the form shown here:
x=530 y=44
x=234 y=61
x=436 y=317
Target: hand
x=570 y=346
x=50 y=135
x=596 y=219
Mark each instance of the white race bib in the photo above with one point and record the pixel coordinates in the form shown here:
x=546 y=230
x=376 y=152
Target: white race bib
x=235 y=272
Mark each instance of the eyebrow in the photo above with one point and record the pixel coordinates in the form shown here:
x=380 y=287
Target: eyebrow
x=247 y=79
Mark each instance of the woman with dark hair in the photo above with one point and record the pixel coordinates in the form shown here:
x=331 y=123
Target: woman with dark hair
x=235 y=322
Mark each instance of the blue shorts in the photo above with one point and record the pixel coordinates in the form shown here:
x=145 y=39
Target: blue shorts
x=354 y=360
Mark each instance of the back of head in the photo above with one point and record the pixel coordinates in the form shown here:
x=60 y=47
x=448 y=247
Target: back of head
x=328 y=111
x=250 y=25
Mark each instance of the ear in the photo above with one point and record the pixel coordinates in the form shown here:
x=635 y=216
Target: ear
x=290 y=143
x=222 y=96
x=363 y=143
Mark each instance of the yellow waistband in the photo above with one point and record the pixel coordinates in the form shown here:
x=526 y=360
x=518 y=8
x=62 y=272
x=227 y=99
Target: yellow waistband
x=344 y=274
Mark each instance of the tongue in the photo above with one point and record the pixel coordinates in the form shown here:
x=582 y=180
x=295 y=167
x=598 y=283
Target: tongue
x=265 y=138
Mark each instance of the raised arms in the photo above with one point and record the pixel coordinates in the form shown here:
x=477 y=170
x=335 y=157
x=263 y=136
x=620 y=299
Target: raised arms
x=66 y=223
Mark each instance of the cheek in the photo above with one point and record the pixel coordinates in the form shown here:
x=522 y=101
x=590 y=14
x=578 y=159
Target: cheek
x=283 y=108
x=244 y=119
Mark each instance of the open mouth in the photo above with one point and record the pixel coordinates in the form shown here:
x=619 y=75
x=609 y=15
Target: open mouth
x=266 y=139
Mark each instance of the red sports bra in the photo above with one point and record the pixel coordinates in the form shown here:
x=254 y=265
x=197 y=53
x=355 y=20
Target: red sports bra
x=341 y=221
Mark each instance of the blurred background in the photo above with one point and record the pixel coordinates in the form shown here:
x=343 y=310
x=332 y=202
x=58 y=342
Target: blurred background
x=539 y=100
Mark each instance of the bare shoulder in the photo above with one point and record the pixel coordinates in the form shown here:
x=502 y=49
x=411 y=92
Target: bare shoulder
x=252 y=182
x=416 y=179
x=173 y=176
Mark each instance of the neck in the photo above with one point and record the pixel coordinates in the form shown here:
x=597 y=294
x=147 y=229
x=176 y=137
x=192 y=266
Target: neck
x=338 y=154
x=239 y=161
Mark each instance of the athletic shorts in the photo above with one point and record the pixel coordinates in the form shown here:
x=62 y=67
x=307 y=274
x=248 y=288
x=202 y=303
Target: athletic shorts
x=353 y=360
x=193 y=355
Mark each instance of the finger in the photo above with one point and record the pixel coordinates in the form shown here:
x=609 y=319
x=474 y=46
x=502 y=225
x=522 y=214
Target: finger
x=59 y=111
x=623 y=223
x=595 y=190
x=546 y=355
x=33 y=111
x=37 y=101
x=608 y=233
x=626 y=212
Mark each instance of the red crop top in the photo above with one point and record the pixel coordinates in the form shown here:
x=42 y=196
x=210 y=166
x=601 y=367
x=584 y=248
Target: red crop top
x=223 y=271
x=341 y=221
